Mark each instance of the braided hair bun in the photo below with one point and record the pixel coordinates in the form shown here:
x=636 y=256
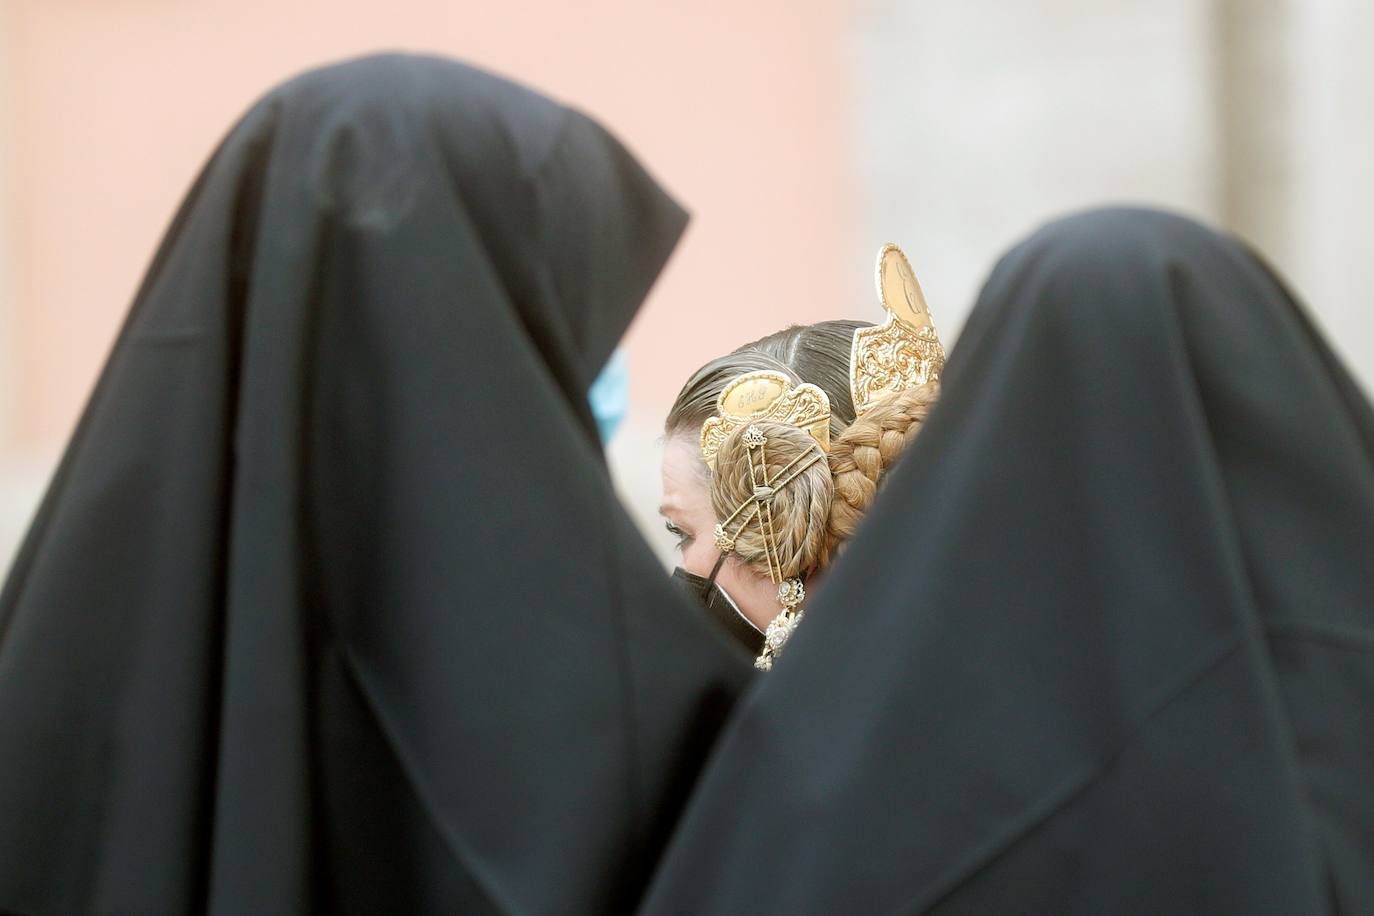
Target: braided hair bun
x=798 y=510
x=821 y=506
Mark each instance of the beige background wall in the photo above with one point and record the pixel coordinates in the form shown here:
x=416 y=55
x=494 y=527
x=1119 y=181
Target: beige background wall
x=110 y=107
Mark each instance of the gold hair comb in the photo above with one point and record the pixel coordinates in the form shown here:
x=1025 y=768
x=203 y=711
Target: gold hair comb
x=766 y=395
x=902 y=352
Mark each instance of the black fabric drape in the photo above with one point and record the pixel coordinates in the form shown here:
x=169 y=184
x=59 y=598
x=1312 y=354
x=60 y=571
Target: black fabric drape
x=1106 y=643
x=330 y=606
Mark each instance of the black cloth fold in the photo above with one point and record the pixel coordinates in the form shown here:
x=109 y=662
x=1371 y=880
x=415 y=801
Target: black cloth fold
x=1104 y=644
x=330 y=606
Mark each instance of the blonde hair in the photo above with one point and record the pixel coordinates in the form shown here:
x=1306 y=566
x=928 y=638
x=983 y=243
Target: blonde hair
x=816 y=353
x=814 y=514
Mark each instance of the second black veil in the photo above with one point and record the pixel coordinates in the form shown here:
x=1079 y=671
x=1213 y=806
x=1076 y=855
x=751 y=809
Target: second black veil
x=1106 y=643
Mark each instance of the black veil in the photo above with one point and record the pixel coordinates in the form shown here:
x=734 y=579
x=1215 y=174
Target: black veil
x=330 y=606
x=1107 y=642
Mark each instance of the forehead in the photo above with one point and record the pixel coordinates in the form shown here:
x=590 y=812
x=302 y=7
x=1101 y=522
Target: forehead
x=685 y=484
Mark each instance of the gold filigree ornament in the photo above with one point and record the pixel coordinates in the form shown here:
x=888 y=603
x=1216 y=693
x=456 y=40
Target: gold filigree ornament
x=791 y=594
x=902 y=352
x=766 y=395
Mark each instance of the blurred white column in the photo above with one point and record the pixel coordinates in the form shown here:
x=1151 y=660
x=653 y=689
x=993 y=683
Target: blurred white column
x=1256 y=112
x=981 y=119
x=1331 y=200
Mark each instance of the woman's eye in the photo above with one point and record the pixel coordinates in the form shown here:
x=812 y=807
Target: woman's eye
x=683 y=538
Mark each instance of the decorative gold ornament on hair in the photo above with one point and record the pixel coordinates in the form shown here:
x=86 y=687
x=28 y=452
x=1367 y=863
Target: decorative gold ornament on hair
x=902 y=352
x=791 y=593
x=765 y=395
x=724 y=543
x=759 y=505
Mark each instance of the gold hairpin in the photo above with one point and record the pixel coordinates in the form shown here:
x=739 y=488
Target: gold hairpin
x=902 y=352
x=751 y=397
x=766 y=395
x=758 y=505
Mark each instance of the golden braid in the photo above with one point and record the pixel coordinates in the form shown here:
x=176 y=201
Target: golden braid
x=861 y=454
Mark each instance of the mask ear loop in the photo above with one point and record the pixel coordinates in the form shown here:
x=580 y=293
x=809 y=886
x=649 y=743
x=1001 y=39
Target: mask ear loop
x=715 y=570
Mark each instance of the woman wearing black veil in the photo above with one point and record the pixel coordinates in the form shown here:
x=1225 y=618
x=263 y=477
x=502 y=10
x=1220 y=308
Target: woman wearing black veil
x=330 y=606
x=1106 y=642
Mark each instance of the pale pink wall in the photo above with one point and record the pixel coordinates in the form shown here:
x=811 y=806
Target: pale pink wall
x=112 y=106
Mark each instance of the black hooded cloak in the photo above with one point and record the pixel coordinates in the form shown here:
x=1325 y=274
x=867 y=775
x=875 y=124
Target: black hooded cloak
x=330 y=606
x=1106 y=643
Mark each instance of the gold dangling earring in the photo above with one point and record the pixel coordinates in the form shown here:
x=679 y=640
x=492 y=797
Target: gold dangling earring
x=791 y=593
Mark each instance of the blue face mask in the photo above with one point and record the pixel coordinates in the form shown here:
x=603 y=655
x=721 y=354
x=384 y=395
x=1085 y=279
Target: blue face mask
x=610 y=395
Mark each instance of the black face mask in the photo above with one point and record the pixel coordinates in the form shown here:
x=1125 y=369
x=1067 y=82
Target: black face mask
x=719 y=605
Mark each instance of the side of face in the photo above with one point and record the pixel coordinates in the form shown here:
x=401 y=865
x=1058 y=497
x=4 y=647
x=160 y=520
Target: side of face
x=686 y=508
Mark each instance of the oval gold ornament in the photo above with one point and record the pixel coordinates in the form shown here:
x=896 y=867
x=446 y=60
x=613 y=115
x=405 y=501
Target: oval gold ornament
x=898 y=289
x=766 y=395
